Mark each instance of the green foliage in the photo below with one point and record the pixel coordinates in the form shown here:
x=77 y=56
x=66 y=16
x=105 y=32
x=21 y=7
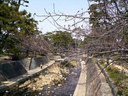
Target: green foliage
x=120 y=80
x=59 y=39
x=84 y=42
x=14 y=25
x=104 y=31
x=102 y=63
x=94 y=60
x=97 y=13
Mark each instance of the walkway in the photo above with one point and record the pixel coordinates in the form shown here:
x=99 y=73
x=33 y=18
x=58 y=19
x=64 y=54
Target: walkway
x=81 y=86
x=20 y=79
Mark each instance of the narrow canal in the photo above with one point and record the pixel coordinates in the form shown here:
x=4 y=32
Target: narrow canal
x=65 y=87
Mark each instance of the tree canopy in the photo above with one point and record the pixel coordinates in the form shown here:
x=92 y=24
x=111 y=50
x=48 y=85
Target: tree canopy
x=108 y=20
x=15 y=26
x=60 y=39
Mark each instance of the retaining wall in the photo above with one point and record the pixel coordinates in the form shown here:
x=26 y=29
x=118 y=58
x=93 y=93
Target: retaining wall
x=36 y=62
x=93 y=81
x=16 y=68
x=96 y=84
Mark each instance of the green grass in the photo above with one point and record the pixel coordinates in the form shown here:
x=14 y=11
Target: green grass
x=94 y=60
x=102 y=63
x=120 y=80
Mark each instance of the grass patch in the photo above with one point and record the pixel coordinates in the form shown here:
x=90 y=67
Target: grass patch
x=94 y=60
x=102 y=63
x=120 y=80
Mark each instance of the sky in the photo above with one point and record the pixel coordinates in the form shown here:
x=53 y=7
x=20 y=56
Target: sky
x=64 y=6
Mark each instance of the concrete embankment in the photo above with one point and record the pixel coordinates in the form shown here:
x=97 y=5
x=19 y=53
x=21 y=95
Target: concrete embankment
x=18 y=72
x=14 y=69
x=96 y=84
x=92 y=82
x=59 y=79
x=6 y=85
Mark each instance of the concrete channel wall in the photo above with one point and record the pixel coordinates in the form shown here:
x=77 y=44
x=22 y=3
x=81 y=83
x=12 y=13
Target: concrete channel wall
x=16 y=68
x=96 y=84
x=93 y=81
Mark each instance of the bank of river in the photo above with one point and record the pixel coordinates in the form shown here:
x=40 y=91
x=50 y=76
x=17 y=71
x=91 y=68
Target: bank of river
x=66 y=87
x=56 y=81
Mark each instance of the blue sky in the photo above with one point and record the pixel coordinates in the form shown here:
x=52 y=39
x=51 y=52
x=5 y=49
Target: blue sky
x=64 y=6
